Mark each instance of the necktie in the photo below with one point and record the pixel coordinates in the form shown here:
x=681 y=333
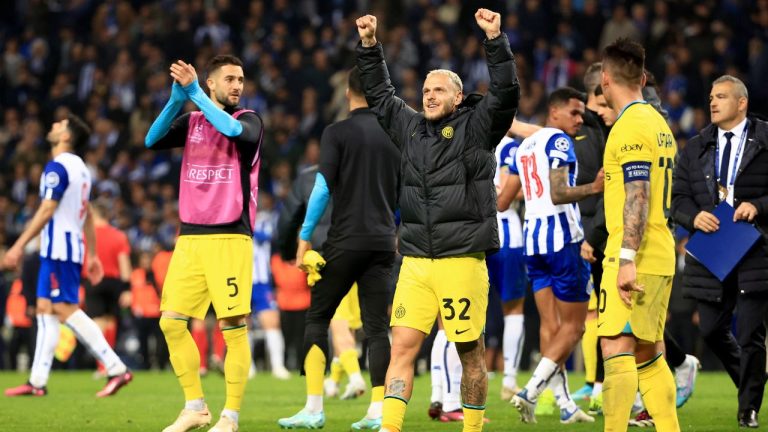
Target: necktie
x=726 y=160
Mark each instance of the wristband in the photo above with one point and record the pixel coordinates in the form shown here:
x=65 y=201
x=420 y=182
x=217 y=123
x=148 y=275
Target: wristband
x=627 y=254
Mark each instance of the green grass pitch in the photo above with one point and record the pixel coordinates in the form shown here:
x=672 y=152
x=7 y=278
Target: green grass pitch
x=153 y=400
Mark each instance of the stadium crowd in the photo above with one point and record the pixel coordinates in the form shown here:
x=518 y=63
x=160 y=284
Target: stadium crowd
x=107 y=62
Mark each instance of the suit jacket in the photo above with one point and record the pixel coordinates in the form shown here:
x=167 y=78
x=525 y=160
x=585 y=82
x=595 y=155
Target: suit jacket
x=695 y=189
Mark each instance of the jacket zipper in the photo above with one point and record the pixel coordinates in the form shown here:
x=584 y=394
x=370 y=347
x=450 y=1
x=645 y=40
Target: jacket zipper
x=426 y=199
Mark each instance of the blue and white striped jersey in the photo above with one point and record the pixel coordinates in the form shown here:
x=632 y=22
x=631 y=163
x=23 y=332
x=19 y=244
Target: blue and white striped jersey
x=67 y=180
x=510 y=228
x=548 y=227
x=263 y=231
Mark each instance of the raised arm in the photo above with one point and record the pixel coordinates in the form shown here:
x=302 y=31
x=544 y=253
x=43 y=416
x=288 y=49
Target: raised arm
x=162 y=124
x=227 y=125
x=393 y=113
x=497 y=109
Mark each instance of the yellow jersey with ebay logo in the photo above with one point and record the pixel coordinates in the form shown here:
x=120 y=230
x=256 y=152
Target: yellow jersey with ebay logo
x=641 y=146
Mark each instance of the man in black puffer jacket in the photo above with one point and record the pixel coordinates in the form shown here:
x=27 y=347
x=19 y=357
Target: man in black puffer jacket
x=704 y=177
x=448 y=210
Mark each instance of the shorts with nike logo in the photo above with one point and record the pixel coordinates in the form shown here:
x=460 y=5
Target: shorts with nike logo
x=455 y=287
x=205 y=269
x=645 y=318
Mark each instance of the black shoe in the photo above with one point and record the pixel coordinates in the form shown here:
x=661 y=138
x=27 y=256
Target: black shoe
x=748 y=419
x=435 y=410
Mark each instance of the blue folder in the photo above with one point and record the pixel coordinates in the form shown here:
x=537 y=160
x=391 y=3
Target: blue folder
x=721 y=251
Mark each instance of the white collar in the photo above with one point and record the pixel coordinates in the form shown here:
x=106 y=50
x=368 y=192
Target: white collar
x=737 y=131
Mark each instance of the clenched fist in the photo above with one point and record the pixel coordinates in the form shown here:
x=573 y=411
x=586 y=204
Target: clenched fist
x=489 y=21
x=366 y=27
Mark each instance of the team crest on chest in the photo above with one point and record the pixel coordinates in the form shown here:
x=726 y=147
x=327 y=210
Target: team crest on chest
x=447 y=132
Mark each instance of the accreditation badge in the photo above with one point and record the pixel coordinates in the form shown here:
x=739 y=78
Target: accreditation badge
x=722 y=192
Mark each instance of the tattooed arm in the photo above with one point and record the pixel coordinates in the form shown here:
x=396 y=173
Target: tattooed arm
x=635 y=217
x=563 y=193
x=635 y=214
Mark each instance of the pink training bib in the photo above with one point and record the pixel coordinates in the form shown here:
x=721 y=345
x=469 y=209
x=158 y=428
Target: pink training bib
x=210 y=191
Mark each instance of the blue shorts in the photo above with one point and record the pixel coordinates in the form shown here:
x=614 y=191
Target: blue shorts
x=262 y=298
x=565 y=271
x=59 y=281
x=506 y=271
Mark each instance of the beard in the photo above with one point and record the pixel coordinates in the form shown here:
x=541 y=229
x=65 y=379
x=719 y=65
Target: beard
x=224 y=100
x=445 y=111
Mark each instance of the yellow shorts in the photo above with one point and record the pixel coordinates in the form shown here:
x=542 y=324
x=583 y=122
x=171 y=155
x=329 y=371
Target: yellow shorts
x=592 y=305
x=349 y=309
x=645 y=319
x=207 y=269
x=455 y=287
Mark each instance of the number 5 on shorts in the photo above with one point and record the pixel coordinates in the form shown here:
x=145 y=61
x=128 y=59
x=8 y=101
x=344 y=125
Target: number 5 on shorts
x=231 y=282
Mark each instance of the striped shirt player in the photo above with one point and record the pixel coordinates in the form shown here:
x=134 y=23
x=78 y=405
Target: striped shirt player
x=506 y=268
x=552 y=232
x=264 y=227
x=62 y=220
x=67 y=180
x=507 y=272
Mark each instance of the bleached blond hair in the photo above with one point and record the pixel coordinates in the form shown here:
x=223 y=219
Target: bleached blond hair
x=451 y=76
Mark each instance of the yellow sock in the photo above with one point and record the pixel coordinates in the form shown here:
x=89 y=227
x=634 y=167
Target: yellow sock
x=473 y=418
x=394 y=413
x=657 y=385
x=349 y=361
x=619 y=390
x=314 y=369
x=185 y=358
x=236 y=364
x=589 y=348
x=337 y=370
x=377 y=394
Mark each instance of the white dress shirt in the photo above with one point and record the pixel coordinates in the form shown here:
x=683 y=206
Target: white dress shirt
x=737 y=131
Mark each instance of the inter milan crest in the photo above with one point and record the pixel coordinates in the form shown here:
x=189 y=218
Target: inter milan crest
x=400 y=311
x=447 y=132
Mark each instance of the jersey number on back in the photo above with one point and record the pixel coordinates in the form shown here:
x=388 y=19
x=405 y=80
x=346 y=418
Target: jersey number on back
x=530 y=171
x=668 y=164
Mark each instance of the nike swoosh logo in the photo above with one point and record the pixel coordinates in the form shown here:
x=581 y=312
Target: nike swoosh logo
x=580 y=137
x=599 y=324
x=231 y=307
x=463 y=331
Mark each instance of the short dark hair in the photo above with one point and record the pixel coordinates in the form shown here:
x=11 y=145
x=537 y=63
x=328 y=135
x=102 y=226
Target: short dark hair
x=221 y=60
x=592 y=77
x=101 y=208
x=354 y=83
x=625 y=61
x=599 y=90
x=80 y=133
x=562 y=95
x=650 y=79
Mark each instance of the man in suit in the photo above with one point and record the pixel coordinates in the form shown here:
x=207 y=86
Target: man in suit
x=728 y=161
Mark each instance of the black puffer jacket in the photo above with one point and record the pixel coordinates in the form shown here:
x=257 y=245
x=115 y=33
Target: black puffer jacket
x=695 y=189
x=447 y=197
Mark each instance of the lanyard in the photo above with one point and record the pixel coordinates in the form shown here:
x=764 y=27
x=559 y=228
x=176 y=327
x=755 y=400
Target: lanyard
x=736 y=160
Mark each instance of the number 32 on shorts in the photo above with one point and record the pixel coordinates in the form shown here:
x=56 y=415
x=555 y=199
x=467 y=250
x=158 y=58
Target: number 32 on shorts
x=451 y=311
